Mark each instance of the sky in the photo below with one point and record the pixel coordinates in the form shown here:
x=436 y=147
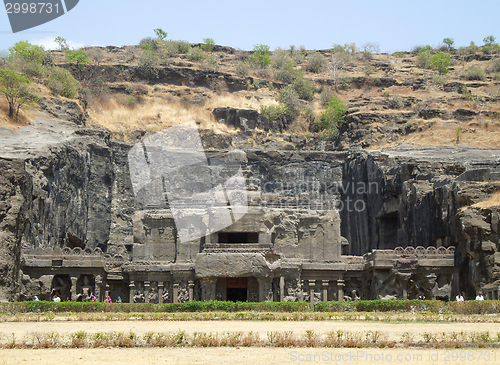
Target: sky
x=316 y=24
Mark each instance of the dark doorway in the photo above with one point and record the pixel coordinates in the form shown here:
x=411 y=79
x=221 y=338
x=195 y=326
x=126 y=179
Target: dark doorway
x=238 y=237
x=389 y=231
x=236 y=289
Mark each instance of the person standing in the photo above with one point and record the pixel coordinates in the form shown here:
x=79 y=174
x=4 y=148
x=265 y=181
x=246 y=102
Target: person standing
x=460 y=297
x=479 y=296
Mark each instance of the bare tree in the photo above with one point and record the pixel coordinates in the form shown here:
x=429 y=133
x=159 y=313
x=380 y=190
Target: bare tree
x=340 y=59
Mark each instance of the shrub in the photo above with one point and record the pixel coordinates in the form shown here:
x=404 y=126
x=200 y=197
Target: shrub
x=196 y=54
x=281 y=59
x=317 y=63
x=286 y=75
x=62 y=82
x=148 y=65
x=261 y=55
x=424 y=59
x=274 y=112
x=491 y=48
x=78 y=57
x=213 y=61
x=307 y=114
x=419 y=49
x=475 y=73
x=395 y=103
x=172 y=48
x=298 y=55
x=243 y=68
x=208 y=44
x=325 y=96
x=96 y=55
x=33 y=69
x=305 y=89
x=495 y=65
x=148 y=44
x=440 y=62
x=330 y=120
x=289 y=97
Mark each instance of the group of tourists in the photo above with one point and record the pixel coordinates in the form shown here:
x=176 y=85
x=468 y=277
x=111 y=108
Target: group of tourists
x=460 y=297
x=93 y=298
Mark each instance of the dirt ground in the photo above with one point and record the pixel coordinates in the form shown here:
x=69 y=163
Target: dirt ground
x=243 y=356
x=246 y=355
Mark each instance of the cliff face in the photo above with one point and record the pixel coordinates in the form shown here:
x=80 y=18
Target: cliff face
x=421 y=198
x=76 y=192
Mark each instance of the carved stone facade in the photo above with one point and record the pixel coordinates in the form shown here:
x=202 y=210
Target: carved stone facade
x=261 y=268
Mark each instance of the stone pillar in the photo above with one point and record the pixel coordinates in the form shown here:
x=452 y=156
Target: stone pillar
x=147 y=288
x=191 y=290
x=312 y=287
x=282 y=288
x=208 y=288
x=98 y=286
x=132 y=291
x=160 y=292
x=301 y=291
x=340 y=290
x=265 y=290
x=74 y=279
x=106 y=292
x=325 y=284
x=175 y=294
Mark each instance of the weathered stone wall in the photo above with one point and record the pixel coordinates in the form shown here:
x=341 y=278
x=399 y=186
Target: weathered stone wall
x=78 y=193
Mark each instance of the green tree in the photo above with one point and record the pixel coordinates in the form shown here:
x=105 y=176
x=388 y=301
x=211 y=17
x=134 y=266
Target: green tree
x=15 y=88
x=490 y=46
x=208 y=44
x=261 y=55
x=63 y=45
x=489 y=39
x=79 y=58
x=160 y=34
x=334 y=114
x=448 y=42
x=440 y=62
x=26 y=51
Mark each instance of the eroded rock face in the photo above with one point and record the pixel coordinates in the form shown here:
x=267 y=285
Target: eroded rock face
x=416 y=200
x=74 y=192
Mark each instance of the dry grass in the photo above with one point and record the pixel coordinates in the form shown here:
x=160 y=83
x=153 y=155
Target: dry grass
x=24 y=118
x=445 y=134
x=493 y=200
x=155 y=113
x=310 y=338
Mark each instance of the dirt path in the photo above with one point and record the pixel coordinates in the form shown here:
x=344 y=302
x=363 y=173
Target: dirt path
x=243 y=356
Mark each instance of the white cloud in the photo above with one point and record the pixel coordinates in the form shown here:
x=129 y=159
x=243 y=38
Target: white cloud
x=49 y=43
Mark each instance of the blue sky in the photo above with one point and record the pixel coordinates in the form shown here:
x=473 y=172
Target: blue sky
x=316 y=24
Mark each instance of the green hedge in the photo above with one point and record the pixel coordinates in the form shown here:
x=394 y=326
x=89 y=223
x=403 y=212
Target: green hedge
x=210 y=306
x=434 y=306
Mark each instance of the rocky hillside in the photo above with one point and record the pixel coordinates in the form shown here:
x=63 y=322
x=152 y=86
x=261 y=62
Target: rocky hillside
x=390 y=99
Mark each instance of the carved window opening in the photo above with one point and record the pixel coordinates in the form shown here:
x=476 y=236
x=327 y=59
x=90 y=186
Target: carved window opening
x=238 y=237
